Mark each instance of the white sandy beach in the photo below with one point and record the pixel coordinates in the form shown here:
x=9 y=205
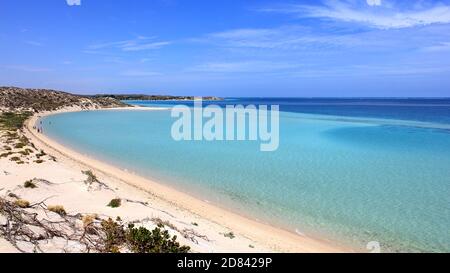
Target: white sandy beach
x=142 y=199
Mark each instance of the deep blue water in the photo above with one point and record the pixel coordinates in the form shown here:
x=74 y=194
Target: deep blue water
x=417 y=109
x=354 y=170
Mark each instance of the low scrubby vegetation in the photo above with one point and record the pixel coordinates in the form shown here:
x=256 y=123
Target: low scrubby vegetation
x=91 y=177
x=39 y=100
x=229 y=235
x=140 y=239
x=115 y=203
x=58 y=210
x=90 y=233
x=12 y=121
x=21 y=203
x=29 y=184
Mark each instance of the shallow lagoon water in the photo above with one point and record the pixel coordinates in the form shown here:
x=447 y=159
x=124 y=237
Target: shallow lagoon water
x=351 y=178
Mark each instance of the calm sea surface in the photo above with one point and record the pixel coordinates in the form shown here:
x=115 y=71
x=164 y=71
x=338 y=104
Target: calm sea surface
x=353 y=170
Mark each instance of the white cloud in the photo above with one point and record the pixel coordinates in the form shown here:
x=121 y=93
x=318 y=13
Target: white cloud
x=73 y=2
x=374 y=2
x=138 y=44
x=34 y=43
x=243 y=67
x=443 y=46
x=284 y=38
x=389 y=17
x=139 y=73
x=145 y=46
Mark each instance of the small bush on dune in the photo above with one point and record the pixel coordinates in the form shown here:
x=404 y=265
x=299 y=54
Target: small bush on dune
x=21 y=203
x=91 y=177
x=24 y=152
x=5 y=154
x=115 y=203
x=29 y=184
x=19 y=145
x=139 y=240
x=41 y=154
x=229 y=235
x=88 y=220
x=57 y=209
x=142 y=240
x=114 y=235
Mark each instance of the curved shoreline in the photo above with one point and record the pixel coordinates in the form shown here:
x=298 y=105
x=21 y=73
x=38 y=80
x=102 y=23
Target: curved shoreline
x=274 y=238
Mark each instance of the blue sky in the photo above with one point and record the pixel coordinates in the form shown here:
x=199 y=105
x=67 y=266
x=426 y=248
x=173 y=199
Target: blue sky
x=228 y=48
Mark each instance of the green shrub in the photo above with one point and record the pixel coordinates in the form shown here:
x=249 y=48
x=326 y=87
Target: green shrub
x=13 y=120
x=115 y=203
x=229 y=235
x=114 y=235
x=142 y=240
x=5 y=154
x=39 y=161
x=138 y=240
x=40 y=154
x=24 y=152
x=91 y=177
x=29 y=184
x=19 y=145
x=15 y=158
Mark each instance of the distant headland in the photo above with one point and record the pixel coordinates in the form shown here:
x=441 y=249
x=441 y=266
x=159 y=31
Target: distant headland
x=38 y=100
x=125 y=97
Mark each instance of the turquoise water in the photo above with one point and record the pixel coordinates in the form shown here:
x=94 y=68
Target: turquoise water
x=349 y=179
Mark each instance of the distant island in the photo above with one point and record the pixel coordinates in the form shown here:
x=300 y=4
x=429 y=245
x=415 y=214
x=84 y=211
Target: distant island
x=125 y=97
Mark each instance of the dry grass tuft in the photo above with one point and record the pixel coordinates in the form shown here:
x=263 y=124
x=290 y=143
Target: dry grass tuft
x=57 y=209
x=21 y=203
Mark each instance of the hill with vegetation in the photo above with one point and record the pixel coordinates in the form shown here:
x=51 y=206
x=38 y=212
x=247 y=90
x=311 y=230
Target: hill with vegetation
x=37 y=100
x=125 y=97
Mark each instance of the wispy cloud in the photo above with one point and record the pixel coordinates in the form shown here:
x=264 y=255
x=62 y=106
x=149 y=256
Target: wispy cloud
x=443 y=46
x=242 y=67
x=374 y=13
x=73 y=2
x=373 y=2
x=145 y=46
x=27 y=68
x=34 y=43
x=285 y=37
x=138 y=44
x=139 y=73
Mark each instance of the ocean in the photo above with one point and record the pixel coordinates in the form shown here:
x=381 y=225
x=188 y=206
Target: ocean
x=348 y=170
